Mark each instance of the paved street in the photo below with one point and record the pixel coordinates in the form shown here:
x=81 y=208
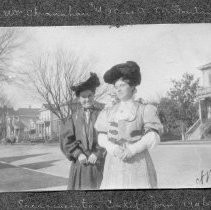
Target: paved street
x=32 y=167
x=43 y=167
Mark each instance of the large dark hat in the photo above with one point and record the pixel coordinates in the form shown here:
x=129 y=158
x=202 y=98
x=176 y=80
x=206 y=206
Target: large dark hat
x=129 y=70
x=90 y=84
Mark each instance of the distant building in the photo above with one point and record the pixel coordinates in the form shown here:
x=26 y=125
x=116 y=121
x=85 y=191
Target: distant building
x=197 y=131
x=48 y=125
x=4 y=113
x=27 y=124
x=21 y=123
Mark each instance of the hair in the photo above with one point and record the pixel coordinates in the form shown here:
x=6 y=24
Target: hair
x=127 y=80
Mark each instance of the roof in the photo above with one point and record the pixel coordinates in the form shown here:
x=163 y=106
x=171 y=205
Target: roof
x=10 y=111
x=205 y=67
x=23 y=123
x=47 y=106
x=27 y=112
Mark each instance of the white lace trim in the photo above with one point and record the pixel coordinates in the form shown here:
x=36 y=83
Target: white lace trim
x=125 y=111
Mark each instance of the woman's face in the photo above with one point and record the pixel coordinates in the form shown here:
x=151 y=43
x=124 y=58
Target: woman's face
x=123 y=90
x=86 y=98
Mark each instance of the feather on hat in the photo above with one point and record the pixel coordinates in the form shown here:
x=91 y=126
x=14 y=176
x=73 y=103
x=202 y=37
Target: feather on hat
x=90 y=84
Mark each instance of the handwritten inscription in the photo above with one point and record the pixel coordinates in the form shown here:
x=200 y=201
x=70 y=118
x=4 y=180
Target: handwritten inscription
x=73 y=12
x=191 y=204
x=109 y=204
x=88 y=205
x=35 y=12
x=204 y=178
x=177 y=10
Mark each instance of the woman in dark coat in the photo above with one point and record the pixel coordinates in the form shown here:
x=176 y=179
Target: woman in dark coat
x=79 y=139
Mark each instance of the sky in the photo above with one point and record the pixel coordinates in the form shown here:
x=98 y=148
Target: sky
x=163 y=52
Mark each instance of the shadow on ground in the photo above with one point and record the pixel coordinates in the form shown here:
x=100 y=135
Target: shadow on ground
x=5 y=166
x=15 y=158
x=39 y=165
x=15 y=179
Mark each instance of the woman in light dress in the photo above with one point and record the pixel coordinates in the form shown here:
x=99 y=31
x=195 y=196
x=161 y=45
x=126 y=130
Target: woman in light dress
x=128 y=131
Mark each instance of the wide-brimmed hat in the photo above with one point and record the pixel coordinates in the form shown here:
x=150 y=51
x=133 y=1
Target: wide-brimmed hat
x=90 y=84
x=129 y=70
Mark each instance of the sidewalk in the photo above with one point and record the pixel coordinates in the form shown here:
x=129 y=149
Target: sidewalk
x=180 y=142
x=33 y=167
x=60 y=188
x=37 y=143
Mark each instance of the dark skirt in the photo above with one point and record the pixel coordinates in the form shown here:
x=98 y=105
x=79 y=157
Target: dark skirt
x=85 y=177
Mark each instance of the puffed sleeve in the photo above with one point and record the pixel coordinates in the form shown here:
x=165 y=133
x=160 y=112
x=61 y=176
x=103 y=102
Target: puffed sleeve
x=151 y=119
x=101 y=124
x=69 y=145
x=152 y=129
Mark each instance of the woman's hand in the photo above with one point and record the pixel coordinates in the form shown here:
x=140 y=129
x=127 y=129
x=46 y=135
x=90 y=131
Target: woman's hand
x=92 y=158
x=82 y=159
x=127 y=154
x=118 y=152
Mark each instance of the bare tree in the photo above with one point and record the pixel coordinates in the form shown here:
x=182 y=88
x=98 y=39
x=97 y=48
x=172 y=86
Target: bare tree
x=4 y=101
x=5 y=106
x=10 y=42
x=53 y=75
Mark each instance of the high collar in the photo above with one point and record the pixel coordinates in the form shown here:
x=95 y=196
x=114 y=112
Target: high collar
x=125 y=110
x=127 y=103
x=90 y=109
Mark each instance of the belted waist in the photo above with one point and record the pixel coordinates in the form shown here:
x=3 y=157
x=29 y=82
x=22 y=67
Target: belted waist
x=121 y=142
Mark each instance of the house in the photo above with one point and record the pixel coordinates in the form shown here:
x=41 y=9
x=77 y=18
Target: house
x=201 y=128
x=27 y=124
x=4 y=113
x=21 y=123
x=48 y=125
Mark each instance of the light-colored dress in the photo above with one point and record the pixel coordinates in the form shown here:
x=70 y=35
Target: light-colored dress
x=126 y=123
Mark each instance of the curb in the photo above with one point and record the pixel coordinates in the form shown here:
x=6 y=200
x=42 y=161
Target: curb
x=30 y=144
x=186 y=142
